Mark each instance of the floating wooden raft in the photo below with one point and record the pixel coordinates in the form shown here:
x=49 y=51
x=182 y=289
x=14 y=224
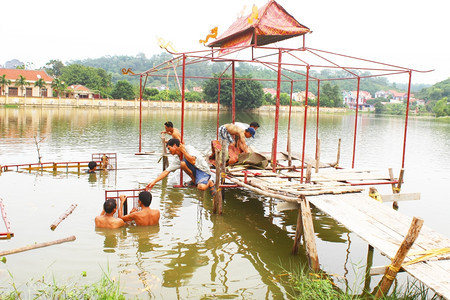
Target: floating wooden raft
x=287 y=183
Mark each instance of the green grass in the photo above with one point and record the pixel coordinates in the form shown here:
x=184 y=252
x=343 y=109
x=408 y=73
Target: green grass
x=105 y=288
x=320 y=286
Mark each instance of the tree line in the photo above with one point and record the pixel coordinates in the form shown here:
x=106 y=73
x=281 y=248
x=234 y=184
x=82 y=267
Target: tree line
x=104 y=75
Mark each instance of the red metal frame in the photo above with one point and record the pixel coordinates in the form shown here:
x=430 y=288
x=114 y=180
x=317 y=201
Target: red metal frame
x=217 y=55
x=8 y=234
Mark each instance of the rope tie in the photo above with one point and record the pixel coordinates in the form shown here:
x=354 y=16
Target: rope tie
x=396 y=189
x=426 y=254
x=376 y=196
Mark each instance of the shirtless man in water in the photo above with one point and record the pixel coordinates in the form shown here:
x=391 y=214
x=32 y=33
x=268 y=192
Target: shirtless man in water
x=146 y=216
x=175 y=133
x=106 y=218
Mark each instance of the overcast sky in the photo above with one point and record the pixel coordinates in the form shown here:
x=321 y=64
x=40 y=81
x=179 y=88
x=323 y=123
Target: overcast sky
x=407 y=33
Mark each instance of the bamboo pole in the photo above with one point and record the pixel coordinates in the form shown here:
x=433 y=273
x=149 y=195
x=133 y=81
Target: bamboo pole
x=63 y=216
x=261 y=191
x=40 y=245
x=389 y=276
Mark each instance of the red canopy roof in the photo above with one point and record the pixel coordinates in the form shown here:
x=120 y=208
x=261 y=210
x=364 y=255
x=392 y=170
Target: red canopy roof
x=272 y=25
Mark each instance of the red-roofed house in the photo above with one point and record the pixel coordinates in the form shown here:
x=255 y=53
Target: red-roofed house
x=79 y=91
x=350 y=98
x=31 y=77
x=271 y=91
x=399 y=97
x=300 y=96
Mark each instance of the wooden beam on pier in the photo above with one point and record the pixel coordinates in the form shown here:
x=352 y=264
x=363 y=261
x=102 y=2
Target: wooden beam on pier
x=391 y=272
x=308 y=235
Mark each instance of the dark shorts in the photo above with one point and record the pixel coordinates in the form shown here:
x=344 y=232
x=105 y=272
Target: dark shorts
x=200 y=176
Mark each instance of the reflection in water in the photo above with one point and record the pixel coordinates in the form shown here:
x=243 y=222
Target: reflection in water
x=194 y=253
x=92 y=177
x=111 y=237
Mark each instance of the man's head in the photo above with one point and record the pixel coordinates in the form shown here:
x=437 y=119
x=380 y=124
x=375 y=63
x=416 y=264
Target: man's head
x=145 y=198
x=92 y=165
x=109 y=206
x=254 y=125
x=173 y=145
x=250 y=132
x=169 y=127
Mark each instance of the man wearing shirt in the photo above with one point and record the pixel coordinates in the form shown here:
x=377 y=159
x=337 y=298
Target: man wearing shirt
x=191 y=162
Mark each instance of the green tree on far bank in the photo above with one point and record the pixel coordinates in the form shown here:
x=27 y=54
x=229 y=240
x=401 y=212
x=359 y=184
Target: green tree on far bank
x=22 y=83
x=96 y=79
x=40 y=83
x=249 y=93
x=123 y=90
x=4 y=83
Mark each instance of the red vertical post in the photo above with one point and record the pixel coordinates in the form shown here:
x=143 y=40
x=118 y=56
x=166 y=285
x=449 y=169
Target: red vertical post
x=290 y=110
x=218 y=109
x=182 y=97
x=304 y=122
x=140 y=114
x=182 y=108
x=317 y=116
x=277 y=114
x=406 y=120
x=233 y=93
x=356 y=123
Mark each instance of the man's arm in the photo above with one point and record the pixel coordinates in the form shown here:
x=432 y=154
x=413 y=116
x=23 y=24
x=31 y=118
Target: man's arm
x=191 y=159
x=123 y=198
x=161 y=176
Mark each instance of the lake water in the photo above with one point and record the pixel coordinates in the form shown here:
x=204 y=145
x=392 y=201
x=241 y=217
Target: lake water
x=193 y=253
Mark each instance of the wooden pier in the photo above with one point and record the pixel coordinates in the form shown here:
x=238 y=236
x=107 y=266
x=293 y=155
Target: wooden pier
x=340 y=193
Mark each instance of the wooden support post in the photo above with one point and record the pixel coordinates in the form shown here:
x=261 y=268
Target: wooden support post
x=308 y=174
x=54 y=167
x=165 y=159
x=218 y=157
x=35 y=246
x=396 y=189
x=308 y=235
x=338 y=154
x=63 y=216
x=223 y=164
x=289 y=148
x=396 y=263
x=369 y=264
x=298 y=232
x=318 y=156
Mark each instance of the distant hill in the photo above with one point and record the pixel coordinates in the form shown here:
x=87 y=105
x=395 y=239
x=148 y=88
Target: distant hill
x=140 y=63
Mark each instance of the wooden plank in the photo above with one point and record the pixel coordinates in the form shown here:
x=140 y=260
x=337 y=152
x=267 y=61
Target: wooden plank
x=383 y=228
x=309 y=236
x=283 y=206
x=400 y=197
